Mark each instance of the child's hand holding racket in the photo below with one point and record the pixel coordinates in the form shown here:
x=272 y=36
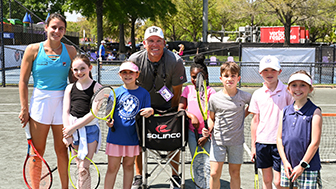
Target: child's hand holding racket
x=201 y=141
x=288 y=169
x=205 y=132
x=110 y=123
x=67 y=141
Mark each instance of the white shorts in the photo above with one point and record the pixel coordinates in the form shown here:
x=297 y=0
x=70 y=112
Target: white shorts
x=46 y=106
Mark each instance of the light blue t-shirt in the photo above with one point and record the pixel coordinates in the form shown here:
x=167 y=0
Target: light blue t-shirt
x=51 y=74
x=128 y=104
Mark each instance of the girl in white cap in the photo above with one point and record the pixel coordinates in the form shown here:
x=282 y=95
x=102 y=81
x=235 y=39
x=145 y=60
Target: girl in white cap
x=123 y=143
x=299 y=136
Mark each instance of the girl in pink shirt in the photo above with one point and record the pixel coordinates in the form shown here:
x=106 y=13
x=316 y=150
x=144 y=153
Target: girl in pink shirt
x=189 y=102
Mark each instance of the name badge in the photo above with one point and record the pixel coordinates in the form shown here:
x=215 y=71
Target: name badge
x=166 y=93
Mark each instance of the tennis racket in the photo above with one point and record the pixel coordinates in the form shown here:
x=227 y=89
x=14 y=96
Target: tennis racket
x=202 y=96
x=200 y=166
x=84 y=177
x=36 y=171
x=256 y=176
x=103 y=103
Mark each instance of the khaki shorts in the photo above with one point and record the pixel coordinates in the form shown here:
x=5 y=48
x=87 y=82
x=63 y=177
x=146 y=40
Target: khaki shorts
x=234 y=153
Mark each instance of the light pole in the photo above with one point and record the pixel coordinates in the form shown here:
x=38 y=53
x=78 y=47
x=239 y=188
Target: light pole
x=205 y=20
x=2 y=48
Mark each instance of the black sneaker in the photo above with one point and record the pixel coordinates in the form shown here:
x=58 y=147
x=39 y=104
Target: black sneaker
x=137 y=182
x=173 y=185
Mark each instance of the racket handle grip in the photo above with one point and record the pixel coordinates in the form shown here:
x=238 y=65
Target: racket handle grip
x=112 y=129
x=27 y=131
x=291 y=183
x=206 y=124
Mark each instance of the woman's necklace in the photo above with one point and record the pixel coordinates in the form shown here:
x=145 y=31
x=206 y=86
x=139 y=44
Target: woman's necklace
x=57 y=47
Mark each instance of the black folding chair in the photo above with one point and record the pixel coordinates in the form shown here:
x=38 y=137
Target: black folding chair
x=162 y=137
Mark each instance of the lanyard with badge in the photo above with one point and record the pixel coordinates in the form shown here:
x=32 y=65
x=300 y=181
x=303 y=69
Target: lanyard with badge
x=164 y=91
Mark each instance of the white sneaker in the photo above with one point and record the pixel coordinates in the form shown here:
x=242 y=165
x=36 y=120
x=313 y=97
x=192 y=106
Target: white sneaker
x=137 y=182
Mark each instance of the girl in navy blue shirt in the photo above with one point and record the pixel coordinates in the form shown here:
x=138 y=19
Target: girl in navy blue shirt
x=123 y=143
x=299 y=136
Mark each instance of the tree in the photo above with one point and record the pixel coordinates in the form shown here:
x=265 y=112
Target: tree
x=40 y=8
x=186 y=24
x=294 y=11
x=190 y=13
x=89 y=9
x=321 y=25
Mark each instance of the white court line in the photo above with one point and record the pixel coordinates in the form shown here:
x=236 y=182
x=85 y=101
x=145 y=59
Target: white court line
x=9 y=113
x=10 y=104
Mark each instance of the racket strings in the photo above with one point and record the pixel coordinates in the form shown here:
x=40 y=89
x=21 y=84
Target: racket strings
x=201 y=88
x=102 y=103
x=201 y=170
x=83 y=177
x=37 y=173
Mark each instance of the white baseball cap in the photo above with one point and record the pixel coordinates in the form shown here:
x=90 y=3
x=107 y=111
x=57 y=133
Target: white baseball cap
x=103 y=41
x=269 y=62
x=300 y=77
x=154 y=31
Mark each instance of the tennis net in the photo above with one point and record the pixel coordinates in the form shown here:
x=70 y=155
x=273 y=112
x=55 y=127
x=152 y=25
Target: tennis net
x=327 y=145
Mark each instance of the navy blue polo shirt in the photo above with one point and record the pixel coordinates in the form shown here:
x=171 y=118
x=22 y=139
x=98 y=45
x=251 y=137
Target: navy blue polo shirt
x=296 y=134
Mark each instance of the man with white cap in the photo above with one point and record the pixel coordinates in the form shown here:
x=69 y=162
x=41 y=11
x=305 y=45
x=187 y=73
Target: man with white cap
x=159 y=69
x=101 y=52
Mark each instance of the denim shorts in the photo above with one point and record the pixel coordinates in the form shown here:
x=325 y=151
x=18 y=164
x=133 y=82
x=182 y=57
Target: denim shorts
x=92 y=134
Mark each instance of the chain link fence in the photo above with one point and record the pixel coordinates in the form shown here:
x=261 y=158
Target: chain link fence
x=322 y=70
x=322 y=73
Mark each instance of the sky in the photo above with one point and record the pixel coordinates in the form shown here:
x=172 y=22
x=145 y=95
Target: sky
x=71 y=17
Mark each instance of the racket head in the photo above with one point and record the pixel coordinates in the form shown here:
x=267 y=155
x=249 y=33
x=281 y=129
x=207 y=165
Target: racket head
x=200 y=169
x=202 y=95
x=103 y=103
x=36 y=171
x=90 y=176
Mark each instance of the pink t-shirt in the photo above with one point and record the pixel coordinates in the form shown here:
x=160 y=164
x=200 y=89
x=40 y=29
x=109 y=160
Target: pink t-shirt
x=268 y=104
x=190 y=94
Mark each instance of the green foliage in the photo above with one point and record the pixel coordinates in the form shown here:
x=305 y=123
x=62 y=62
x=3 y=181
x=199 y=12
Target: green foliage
x=40 y=8
x=182 y=19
